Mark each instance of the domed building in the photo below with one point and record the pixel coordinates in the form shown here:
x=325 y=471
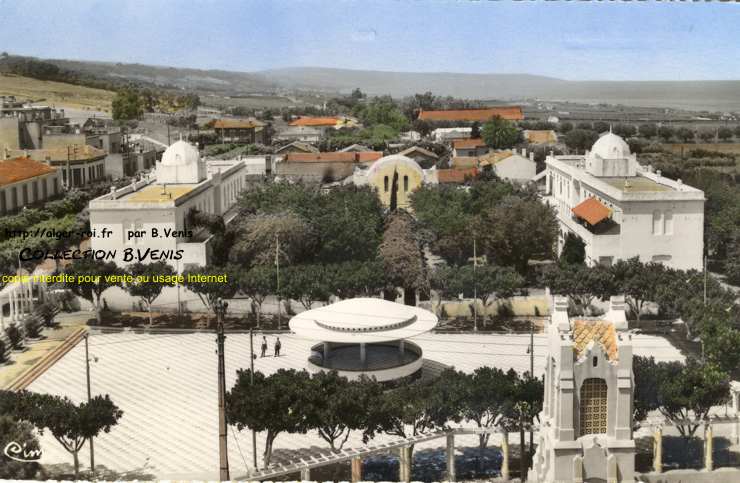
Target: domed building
x=181 y=163
x=408 y=174
x=152 y=213
x=620 y=209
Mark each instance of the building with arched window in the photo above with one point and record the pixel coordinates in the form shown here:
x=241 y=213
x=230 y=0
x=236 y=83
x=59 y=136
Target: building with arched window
x=586 y=420
x=409 y=177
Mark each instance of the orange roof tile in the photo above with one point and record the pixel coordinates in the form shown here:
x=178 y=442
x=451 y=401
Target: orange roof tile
x=19 y=169
x=511 y=113
x=316 y=121
x=592 y=211
x=455 y=175
x=332 y=157
x=600 y=331
x=468 y=143
x=236 y=124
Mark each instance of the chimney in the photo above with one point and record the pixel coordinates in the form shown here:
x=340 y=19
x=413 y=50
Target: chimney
x=113 y=192
x=659 y=173
x=357 y=157
x=524 y=152
x=47 y=159
x=531 y=156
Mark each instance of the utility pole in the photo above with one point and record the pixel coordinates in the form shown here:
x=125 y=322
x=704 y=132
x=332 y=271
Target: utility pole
x=475 y=287
x=89 y=397
x=251 y=382
x=531 y=374
x=223 y=454
x=277 y=271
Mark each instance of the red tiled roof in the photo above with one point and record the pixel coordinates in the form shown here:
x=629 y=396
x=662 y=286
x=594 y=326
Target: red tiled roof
x=592 y=211
x=315 y=121
x=511 y=113
x=236 y=124
x=468 y=143
x=19 y=169
x=455 y=175
x=334 y=157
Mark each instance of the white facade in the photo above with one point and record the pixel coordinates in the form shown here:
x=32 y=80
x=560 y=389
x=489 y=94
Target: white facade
x=651 y=217
x=445 y=134
x=517 y=168
x=586 y=419
x=152 y=213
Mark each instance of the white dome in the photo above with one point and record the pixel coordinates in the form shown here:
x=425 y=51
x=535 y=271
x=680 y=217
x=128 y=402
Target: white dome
x=611 y=146
x=180 y=153
x=394 y=159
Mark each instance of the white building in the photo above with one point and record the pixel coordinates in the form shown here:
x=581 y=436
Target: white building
x=449 y=134
x=621 y=209
x=586 y=419
x=510 y=165
x=152 y=213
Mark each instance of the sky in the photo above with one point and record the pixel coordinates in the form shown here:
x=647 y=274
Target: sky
x=569 y=40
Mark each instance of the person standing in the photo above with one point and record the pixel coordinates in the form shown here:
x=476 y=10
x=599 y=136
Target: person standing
x=277 y=347
x=264 y=346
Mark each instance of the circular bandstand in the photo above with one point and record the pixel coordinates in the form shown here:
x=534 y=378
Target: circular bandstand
x=365 y=336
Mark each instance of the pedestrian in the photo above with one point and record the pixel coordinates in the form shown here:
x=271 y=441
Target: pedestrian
x=277 y=347
x=264 y=346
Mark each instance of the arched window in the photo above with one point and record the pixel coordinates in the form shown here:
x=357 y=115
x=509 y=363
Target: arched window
x=385 y=184
x=594 y=407
x=405 y=183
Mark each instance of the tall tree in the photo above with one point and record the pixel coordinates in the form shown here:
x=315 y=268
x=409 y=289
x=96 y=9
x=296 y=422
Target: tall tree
x=73 y=424
x=516 y=231
x=498 y=133
x=580 y=283
x=574 y=250
x=402 y=256
x=394 y=192
x=637 y=281
x=257 y=283
x=279 y=403
x=89 y=279
x=148 y=282
x=259 y=235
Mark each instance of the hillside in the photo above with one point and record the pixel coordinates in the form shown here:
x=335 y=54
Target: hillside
x=691 y=95
x=56 y=93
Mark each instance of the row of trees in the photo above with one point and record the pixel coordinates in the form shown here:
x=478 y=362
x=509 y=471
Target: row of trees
x=71 y=424
x=290 y=401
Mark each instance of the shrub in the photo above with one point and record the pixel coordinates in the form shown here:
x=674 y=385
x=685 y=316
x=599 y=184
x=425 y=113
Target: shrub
x=32 y=326
x=3 y=357
x=14 y=334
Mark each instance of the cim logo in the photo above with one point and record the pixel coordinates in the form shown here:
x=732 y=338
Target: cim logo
x=18 y=452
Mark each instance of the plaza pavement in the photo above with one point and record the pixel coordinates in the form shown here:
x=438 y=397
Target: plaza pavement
x=166 y=386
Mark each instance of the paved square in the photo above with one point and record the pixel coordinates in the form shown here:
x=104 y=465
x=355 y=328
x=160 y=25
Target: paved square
x=166 y=386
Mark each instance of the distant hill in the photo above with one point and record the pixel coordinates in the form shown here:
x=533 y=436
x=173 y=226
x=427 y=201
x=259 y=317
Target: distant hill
x=692 y=95
x=183 y=78
x=56 y=93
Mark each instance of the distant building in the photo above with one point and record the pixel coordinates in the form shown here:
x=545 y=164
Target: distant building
x=469 y=147
x=22 y=125
x=455 y=175
x=510 y=165
x=79 y=165
x=240 y=131
x=621 y=209
x=305 y=134
x=24 y=181
x=329 y=166
x=510 y=113
x=449 y=134
x=586 y=426
x=420 y=155
x=182 y=182
x=297 y=147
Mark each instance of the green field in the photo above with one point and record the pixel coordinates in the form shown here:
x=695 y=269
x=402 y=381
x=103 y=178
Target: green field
x=55 y=93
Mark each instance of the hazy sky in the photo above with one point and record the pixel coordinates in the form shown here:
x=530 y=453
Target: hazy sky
x=574 y=40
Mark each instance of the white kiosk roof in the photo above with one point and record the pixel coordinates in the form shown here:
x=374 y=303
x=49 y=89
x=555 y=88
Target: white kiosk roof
x=363 y=320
